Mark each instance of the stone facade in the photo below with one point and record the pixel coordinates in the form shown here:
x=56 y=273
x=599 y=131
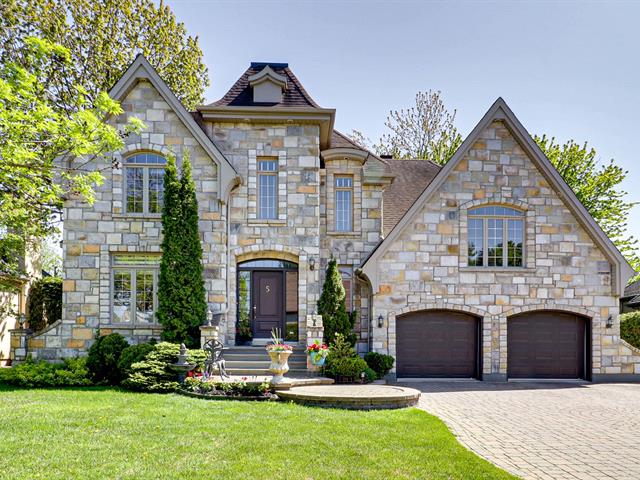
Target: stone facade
x=422 y=265
x=426 y=266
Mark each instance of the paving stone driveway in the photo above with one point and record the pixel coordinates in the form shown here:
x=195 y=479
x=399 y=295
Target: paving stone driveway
x=544 y=430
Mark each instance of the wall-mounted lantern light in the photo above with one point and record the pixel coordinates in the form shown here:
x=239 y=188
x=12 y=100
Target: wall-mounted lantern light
x=610 y=321
x=22 y=318
x=380 y=321
x=312 y=263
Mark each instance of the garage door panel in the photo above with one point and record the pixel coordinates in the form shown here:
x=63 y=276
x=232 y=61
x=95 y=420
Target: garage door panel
x=437 y=343
x=546 y=344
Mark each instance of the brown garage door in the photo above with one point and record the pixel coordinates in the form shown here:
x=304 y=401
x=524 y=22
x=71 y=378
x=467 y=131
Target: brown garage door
x=546 y=344
x=437 y=343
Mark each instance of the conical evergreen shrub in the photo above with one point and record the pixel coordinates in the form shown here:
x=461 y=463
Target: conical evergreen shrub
x=182 y=303
x=331 y=306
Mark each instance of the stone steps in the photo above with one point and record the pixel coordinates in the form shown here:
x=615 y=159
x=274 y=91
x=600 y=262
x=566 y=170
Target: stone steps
x=254 y=361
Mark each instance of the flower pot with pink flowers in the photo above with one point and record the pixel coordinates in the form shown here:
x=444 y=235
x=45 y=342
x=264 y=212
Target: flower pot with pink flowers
x=279 y=353
x=317 y=353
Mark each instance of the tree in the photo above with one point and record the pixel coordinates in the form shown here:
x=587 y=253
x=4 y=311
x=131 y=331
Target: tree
x=104 y=37
x=182 y=306
x=426 y=131
x=331 y=306
x=597 y=186
x=36 y=138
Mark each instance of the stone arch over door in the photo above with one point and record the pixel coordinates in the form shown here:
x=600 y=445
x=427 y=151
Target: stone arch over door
x=277 y=252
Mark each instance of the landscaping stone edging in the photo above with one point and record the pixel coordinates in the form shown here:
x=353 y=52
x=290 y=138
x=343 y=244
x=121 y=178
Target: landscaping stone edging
x=204 y=396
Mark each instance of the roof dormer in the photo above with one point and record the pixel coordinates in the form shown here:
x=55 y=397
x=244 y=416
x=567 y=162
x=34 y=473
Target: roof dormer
x=267 y=86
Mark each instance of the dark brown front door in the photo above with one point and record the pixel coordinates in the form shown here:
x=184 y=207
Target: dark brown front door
x=438 y=344
x=267 y=303
x=546 y=344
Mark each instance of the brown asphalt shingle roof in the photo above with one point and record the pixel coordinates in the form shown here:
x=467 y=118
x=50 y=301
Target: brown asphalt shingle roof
x=632 y=289
x=411 y=178
x=240 y=94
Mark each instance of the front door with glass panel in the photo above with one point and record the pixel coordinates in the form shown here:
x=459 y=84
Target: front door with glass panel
x=267 y=303
x=267 y=299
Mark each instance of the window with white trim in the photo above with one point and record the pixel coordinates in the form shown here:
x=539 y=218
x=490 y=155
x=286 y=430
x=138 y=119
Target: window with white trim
x=344 y=203
x=268 y=189
x=134 y=289
x=144 y=183
x=495 y=236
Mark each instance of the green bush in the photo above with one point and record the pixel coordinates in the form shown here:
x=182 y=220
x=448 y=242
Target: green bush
x=343 y=361
x=44 y=303
x=369 y=375
x=630 y=328
x=154 y=374
x=71 y=373
x=331 y=306
x=103 y=357
x=132 y=354
x=379 y=363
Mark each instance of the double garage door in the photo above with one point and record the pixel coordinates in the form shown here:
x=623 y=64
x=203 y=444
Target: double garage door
x=446 y=344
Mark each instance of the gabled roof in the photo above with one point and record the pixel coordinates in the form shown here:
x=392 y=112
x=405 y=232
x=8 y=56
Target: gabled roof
x=501 y=111
x=411 y=177
x=141 y=69
x=633 y=289
x=241 y=95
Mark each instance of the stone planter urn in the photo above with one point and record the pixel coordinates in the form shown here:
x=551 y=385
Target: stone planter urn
x=279 y=365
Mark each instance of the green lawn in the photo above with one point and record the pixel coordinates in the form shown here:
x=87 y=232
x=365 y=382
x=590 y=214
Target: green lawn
x=108 y=434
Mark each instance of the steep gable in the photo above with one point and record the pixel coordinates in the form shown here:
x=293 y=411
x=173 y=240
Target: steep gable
x=502 y=114
x=141 y=70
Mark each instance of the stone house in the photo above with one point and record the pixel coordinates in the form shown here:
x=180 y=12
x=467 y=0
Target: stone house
x=488 y=267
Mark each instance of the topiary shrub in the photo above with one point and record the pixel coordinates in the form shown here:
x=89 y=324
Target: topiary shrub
x=379 y=363
x=71 y=373
x=103 y=357
x=154 y=374
x=132 y=354
x=331 y=306
x=44 y=303
x=343 y=363
x=630 y=328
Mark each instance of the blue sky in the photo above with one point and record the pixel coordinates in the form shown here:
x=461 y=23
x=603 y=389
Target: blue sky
x=567 y=69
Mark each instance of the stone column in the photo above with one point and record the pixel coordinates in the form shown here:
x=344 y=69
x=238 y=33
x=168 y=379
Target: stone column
x=315 y=331
x=19 y=344
x=209 y=332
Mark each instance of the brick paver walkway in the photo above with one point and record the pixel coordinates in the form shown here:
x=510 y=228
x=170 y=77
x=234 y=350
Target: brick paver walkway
x=544 y=430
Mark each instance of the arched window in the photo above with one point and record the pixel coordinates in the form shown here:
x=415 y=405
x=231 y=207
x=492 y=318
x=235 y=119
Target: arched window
x=144 y=183
x=496 y=236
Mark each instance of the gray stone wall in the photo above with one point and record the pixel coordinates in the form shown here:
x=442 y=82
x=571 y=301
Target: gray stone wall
x=426 y=267
x=94 y=233
x=294 y=235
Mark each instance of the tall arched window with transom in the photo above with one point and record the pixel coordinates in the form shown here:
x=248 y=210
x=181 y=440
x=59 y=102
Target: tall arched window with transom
x=496 y=236
x=144 y=183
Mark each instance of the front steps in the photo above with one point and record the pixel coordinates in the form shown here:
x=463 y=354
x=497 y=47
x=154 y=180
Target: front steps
x=254 y=361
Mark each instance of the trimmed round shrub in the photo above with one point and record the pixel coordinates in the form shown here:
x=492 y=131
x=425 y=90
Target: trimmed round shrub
x=103 y=357
x=44 y=303
x=154 y=372
x=132 y=354
x=369 y=375
x=379 y=363
x=630 y=328
x=343 y=363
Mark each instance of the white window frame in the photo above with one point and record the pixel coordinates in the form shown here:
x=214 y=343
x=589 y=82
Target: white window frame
x=506 y=218
x=271 y=174
x=133 y=268
x=341 y=188
x=145 y=167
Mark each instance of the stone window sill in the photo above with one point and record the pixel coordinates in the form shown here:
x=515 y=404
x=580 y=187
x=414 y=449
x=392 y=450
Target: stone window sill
x=139 y=216
x=344 y=234
x=265 y=223
x=498 y=269
x=128 y=326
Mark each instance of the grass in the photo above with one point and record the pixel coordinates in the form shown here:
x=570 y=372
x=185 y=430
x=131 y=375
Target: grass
x=95 y=433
